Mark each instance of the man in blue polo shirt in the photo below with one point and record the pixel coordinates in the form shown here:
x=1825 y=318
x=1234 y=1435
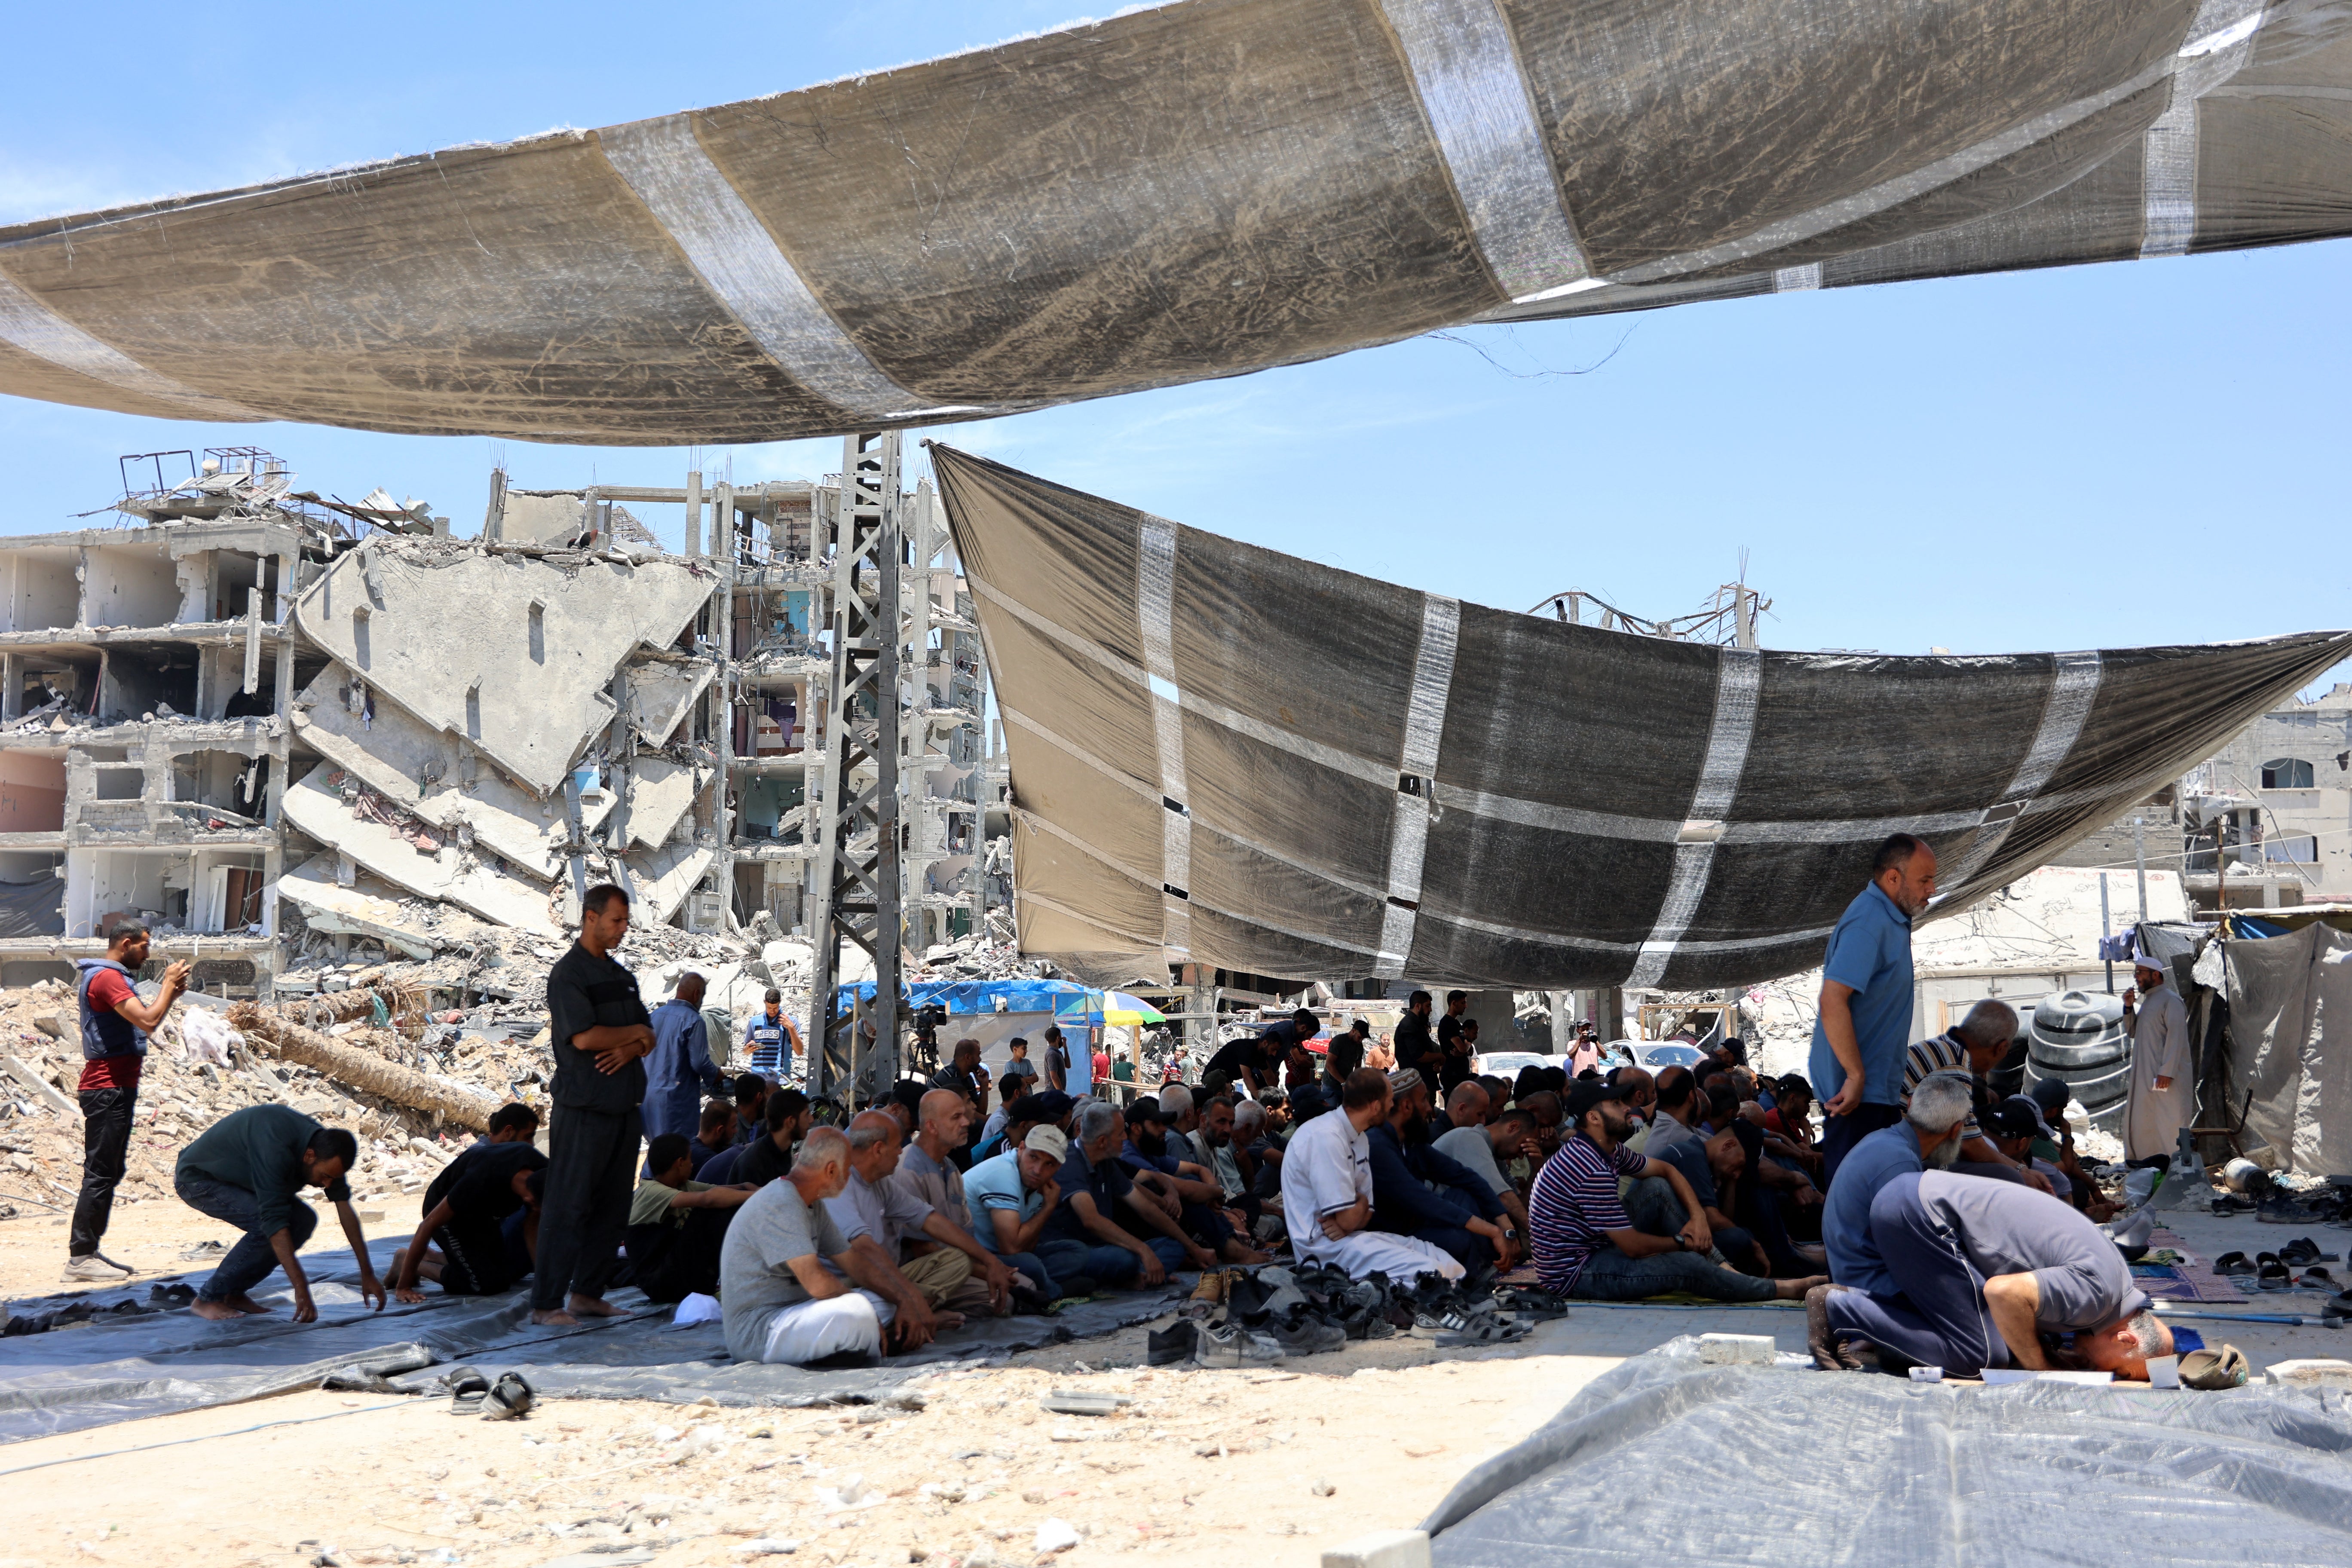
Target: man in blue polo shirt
x=1865 y=1022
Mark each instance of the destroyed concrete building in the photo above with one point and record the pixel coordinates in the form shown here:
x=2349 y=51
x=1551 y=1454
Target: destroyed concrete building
x=276 y=725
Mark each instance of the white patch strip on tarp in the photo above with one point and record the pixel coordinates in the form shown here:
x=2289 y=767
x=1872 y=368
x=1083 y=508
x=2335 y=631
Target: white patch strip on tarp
x=2073 y=686
x=1739 y=673
x=1466 y=70
x=1155 y=614
x=744 y=269
x=1796 y=279
x=1142 y=878
x=2220 y=42
x=1878 y=198
x=1424 y=730
x=40 y=331
x=1511 y=809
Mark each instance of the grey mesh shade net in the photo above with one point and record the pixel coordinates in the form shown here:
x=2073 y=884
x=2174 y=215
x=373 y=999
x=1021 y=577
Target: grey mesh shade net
x=1202 y=774
x=1200 y=190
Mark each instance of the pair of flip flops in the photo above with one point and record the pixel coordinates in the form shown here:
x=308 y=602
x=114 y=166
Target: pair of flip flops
x=2302 y=1251
x=471 y=1393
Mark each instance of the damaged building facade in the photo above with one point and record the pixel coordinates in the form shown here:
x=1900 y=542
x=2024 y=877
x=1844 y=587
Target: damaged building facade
x=275 y=725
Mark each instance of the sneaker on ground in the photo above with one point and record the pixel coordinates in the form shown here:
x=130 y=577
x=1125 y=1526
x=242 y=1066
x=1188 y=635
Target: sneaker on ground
x=1165 y=1347
x=1230 y=1344
x=91 y=1270
x=1309 y=1335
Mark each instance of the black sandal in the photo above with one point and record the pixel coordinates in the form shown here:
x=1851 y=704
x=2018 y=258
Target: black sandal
x=2232 y=1263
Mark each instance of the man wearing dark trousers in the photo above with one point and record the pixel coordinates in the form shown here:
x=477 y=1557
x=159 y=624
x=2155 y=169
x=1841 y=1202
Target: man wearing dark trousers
x=1865 y=1018
x=114 y=1028
x=247 y=1169
x=600 y=1035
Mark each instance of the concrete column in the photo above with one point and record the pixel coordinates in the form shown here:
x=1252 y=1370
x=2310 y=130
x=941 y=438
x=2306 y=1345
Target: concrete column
x=12 y=689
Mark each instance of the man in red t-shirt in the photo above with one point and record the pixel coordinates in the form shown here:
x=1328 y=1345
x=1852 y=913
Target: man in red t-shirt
x=115 y=1025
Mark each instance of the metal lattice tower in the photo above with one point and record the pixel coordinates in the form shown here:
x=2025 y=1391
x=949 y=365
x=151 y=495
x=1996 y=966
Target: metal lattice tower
x=856 y=888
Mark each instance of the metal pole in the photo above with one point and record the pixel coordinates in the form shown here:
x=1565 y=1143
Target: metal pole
x=2140 y=859
x=2106 y=927
x=889 y=550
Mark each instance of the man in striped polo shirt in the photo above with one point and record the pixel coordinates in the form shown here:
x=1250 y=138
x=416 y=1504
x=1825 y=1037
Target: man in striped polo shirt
x=1586 y=1246
x=1974 y=1047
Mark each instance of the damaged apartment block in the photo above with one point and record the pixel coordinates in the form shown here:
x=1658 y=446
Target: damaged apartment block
x=275 y=725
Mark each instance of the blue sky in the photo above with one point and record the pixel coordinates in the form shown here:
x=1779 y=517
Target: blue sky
x=2093 y=457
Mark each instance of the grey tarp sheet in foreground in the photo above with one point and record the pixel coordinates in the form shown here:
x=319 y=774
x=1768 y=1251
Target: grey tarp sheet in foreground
x=1188 y=190
x=1879 y=1470
x=1228 y=755
x=2289 y=1046
x=120 y=1369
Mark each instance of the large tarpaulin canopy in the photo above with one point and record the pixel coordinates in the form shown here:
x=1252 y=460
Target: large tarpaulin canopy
x=1202 y=773
x=1198 y=190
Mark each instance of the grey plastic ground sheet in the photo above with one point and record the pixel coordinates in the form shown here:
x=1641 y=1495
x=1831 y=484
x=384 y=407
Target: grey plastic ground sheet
x=1864 y=1468
x=123 y=1368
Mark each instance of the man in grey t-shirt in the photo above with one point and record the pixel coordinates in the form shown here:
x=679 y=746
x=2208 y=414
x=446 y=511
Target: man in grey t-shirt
x=1984 y=1268
x=1482 y=1150
x=782 y=1303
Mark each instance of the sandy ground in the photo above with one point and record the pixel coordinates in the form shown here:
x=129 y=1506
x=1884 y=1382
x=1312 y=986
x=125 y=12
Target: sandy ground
x=1275 y=1466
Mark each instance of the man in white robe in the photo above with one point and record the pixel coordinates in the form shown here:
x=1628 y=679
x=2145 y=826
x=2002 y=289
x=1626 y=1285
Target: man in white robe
x=1326 y=1193
x=2162 y=1100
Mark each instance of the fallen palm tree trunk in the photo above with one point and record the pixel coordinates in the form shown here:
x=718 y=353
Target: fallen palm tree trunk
x=338 y=1007
x=362 y=1069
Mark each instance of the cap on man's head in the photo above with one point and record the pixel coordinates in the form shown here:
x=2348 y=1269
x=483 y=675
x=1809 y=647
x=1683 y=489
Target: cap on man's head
x=2016 y=1117
x=1403 y=1081
x=2052 y=1095
x=1587 y=1092
x=1048 y=1139
x=2142 y=961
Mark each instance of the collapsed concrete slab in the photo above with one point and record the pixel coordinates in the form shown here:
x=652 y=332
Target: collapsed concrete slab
x=339 y=811
x=662 y=692
x=391 y=750
x=365 y=910
x=521 y=674
x=661 y=792
x=663 y=877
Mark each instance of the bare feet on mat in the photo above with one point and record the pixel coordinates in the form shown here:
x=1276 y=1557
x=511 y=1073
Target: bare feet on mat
x=593 y=1307
x=551 y=1318
x=1795 y=1289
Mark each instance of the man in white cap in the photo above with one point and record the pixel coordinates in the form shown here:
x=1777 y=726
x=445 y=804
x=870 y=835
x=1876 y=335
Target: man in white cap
x=2162 y=1100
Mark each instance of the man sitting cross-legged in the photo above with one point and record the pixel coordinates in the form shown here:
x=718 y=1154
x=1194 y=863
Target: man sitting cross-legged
x=878 y=1215
x=1421 y=1193
x=927 y=1174
x=678 y=1226
x=1326 y=1193
x=1482 y=1149
x=1187 y=1191
x=1013 y=1196
x=461 y=1244
x=1088 y=1231
x=1586 y=1245
x=786 y=1272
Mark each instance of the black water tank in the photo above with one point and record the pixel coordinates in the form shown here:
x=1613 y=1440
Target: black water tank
x=2077 y=1038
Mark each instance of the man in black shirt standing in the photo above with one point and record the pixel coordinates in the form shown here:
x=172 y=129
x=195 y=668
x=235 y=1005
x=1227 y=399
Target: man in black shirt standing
x=1414 y=1048
x=600 y=1033
x=1453 y=1051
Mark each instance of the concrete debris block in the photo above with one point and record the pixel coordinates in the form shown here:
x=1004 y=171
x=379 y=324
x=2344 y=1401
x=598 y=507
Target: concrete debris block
x=1383 y=1549
x=1055 y=1535
x=430 y=774
x=523 y=675
x=661 y=793
x=487 y=887
x=362 y=911
x=662 y=692
x=42 y=1090
x=1736 y=1350
x=665 y=876
x=2311 y=1372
